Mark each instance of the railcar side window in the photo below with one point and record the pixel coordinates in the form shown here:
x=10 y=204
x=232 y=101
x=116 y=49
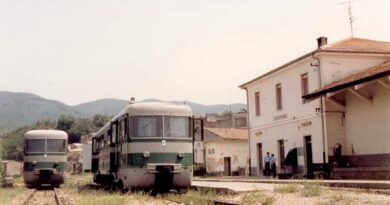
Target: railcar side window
x=35 y=145
x=114 y=133
x=146 y=126
x=55 y=145
x=177 y=126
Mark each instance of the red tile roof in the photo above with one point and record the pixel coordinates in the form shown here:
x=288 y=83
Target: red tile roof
x=349 y=45
x=354 y=79
x=229 y=133
x=358 y=44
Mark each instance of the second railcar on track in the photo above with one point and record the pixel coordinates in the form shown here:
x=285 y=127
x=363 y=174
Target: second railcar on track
x=45 y=158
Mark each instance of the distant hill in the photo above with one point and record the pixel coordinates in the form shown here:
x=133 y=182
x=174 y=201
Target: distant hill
x=17 y=109
x=109 y=106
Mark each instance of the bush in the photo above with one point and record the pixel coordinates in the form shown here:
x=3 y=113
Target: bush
x=257 y=198
x=311 y=189
x=290 y=188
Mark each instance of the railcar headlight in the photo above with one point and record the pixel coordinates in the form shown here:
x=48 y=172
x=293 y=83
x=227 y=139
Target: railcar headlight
x=146 y=154
x=180 y=155
x=34 y=162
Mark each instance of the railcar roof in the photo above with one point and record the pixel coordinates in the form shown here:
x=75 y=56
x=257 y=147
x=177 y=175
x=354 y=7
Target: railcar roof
x=151 y=108
x=158 y=108
x=46 y=134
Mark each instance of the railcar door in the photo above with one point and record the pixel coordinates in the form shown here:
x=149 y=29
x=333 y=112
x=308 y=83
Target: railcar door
x=113 y=147
x=198 y=138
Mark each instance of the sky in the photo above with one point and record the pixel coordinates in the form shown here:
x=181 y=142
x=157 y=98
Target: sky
x=77 y=51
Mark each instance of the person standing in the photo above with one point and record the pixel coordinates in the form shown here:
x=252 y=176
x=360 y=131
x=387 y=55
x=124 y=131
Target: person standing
x=267 y=160
x=273 y=165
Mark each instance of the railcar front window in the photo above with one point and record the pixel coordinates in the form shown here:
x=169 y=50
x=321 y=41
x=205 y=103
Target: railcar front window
x=35 y=145
x=177 y=126
x=55 y=145
x=148 y=126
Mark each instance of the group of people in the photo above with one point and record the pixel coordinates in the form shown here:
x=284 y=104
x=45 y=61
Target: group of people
x=270 y=165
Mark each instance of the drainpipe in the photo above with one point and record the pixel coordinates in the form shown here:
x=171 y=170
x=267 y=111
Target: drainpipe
x=321 y=108
x=249 y=132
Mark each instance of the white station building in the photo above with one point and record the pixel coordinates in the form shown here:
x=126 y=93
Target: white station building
x=331 y=106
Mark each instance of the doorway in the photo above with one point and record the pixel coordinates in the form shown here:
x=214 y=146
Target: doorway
x=227 y=168
x=308 y=156
x=260 y=159
x=281 y=154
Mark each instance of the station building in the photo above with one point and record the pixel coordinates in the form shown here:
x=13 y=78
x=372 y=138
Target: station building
x=330 y=106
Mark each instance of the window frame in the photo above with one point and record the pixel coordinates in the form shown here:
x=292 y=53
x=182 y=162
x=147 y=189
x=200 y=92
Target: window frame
x=257 y=104
x=279 y=96
x=304 y=84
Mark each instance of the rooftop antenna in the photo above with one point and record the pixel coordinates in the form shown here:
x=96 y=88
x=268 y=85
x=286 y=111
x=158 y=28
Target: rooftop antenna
x=230 y=99
x=351 y=17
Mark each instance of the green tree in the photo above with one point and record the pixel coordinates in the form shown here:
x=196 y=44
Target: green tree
x=2 y=170
x=80 y=127
x=100 y=120
x=65 y=122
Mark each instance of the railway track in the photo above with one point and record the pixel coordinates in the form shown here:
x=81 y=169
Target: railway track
x=43 y=196
x=210 y=202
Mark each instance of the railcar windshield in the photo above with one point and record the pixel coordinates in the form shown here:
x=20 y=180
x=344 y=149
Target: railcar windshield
x=160 y=126
x=45 y=145
x=55 y=145
x=146 y=126
x=177 y=126
x=35 y=145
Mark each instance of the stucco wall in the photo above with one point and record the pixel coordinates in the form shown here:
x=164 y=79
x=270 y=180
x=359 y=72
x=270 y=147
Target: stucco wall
x=368 y=126
x=237 y=150
x=337 y=66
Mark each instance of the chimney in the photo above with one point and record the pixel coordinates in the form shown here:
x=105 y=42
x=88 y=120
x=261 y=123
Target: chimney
x=322 y=41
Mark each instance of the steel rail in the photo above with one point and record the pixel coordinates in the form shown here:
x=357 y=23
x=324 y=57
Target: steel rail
x=57 y=197
x=25 y=202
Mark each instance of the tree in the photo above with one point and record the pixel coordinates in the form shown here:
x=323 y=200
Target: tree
x=227 y=113
x=80 y=127
x=100 y=120
x=2 y=170
x=65 y=122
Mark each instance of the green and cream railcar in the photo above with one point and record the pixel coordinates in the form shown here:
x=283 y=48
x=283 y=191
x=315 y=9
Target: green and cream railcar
x=45 y=158
x=147 y=145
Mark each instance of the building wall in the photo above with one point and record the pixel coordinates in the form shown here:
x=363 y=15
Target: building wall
x=368 y=126
x=237 y=150
x=273 y=125
x=292 y=133
x=87 y=156
x=198 y=152
x=337 y=66
x=286 y=124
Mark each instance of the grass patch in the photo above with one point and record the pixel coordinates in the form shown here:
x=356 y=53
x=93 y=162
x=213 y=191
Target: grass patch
x=257 y=198
x=311 y=189
x=192 y=197
x=289 y=188
x=336 y=199
x=7 y=194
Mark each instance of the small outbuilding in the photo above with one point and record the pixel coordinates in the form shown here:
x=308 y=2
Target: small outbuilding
x=226 y=151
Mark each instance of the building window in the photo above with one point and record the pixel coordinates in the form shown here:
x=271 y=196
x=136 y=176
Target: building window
x=279 y=104
x=257 y=103
x=304 y=84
